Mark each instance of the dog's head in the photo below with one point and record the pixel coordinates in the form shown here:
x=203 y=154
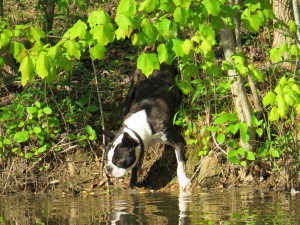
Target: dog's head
x=123 y=155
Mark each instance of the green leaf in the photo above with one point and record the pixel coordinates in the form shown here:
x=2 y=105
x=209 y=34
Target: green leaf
x=294 y=50
x=227 y=65
x=26 y=68
x=78 y=30
x=212 y=7
x=214 y=128
x=124 y=21
x=89 y=129
x=185 y=87
x=269 y=98
x=250 y=155
x=282 y=106
x=252 y=21
x=37 y=130
x=42 y=149
x=167 y=29
x=37 y=104
x=102 y=34
x=177 y=47
x=274 y=115
x=296 y=88
x=92 y=108
x=217 y=22
x=21 y=136
x=283 y=80
x=43 y=65
x=149 y=33
x=31 y=109
x=221 y=138
x=164 y=54
x=47 y=110
x=99 y=17
x=232 y=156
x=28 y=155
x=262 y=151
x=17 y=49
x=232 y=144
x=257 y=74
x=187 y=46
x=71 y=137
x=298 y=109
x=292 y=26
x=211 y=68
x=98 y=52
x=181 y=15
x=35 y=34
x=244 y=131
x=289 y=100
x=182 y=3
x=233 y=127
x=6 y=141
x=274 y=153
x=73 y=48
x=148 y=6
x=147 y=62
x=127 y=7
x=225 y=118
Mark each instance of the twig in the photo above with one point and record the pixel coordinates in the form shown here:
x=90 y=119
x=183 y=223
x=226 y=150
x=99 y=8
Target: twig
x=218 y=146
x=68 y=149
x=99 y=99
x=62 y=115
x=273 y=64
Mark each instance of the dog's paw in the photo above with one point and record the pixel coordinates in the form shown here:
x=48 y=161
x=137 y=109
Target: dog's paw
x=184 y=183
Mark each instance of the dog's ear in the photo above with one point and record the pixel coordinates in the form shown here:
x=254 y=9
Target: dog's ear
x=128 y=141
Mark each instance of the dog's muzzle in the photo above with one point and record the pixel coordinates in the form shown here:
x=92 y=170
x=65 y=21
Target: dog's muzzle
x=115 y=171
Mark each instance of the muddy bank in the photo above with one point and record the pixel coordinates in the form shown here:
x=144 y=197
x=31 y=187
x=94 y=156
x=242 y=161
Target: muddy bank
x=82 y=172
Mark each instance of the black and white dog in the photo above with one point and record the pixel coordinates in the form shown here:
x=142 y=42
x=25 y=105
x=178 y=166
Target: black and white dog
x=147 y=120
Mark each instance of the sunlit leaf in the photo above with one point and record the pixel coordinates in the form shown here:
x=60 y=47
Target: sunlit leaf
x=232 y=156
x=164 y=54
x=98 y=52
x=212 y=7
x=43 y=65
x=27 y=69
x=147 y=62
x=21 y=136
x=269 y=98
x=274 y=115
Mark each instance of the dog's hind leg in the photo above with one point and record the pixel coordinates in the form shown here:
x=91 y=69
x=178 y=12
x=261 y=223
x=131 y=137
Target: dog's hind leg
x=138 y=76
x=183 y=180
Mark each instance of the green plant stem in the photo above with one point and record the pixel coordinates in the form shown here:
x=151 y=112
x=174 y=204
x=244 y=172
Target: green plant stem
x=100 y=101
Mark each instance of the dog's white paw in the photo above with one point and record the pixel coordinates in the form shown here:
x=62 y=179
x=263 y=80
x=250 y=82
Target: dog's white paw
x=184 y=183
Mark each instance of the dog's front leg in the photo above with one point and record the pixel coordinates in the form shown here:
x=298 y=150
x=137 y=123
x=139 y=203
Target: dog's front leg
x=184 y=181
x=133 y=177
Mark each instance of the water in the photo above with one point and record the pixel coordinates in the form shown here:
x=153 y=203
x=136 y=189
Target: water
x=233 y=206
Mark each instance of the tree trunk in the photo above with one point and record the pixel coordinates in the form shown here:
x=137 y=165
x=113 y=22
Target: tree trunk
x=238 y=38
x=49 y=6
x=297 y=19
x=241 y=102
x=283 y=11
x=1 y=8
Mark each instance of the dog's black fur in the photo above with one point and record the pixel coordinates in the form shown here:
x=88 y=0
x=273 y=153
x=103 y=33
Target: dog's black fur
x=158 y=98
